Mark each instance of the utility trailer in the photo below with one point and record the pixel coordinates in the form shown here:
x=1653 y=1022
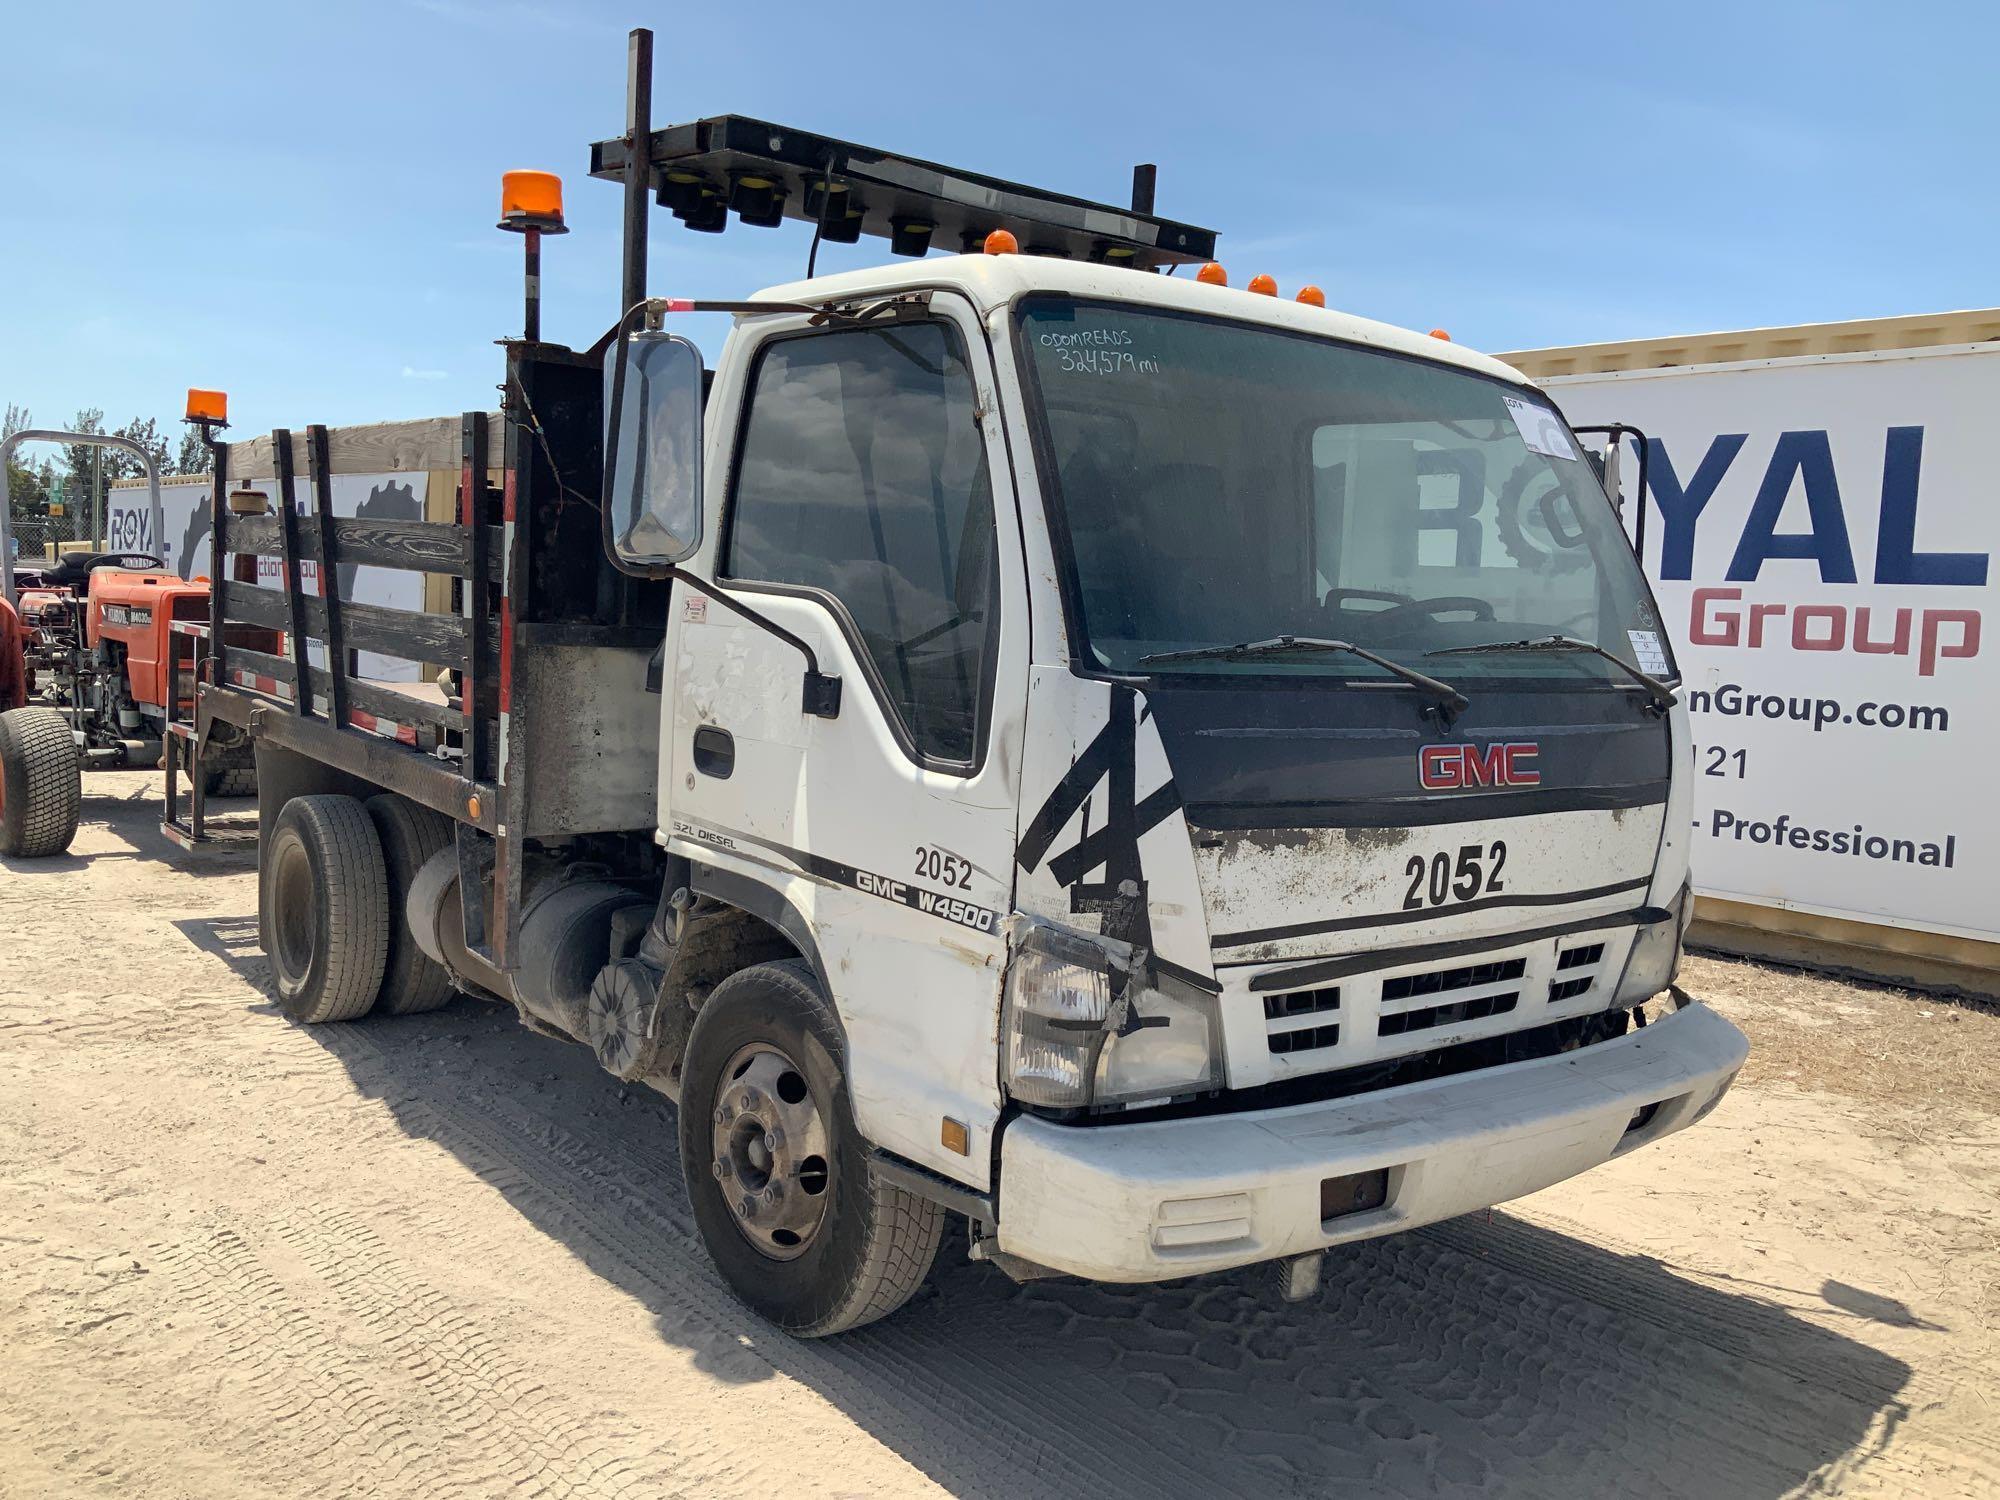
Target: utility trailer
x=1176 y=777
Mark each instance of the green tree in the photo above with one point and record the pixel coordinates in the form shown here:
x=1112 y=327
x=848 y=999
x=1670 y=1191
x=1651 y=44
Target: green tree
x=194 y=457
x=84 y=466
x=27 y=484
x=146 y=433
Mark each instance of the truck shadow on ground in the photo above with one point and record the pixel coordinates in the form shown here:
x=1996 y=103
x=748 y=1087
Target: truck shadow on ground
x=1486 y=1356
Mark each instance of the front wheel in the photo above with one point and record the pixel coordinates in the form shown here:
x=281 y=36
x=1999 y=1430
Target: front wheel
x=41 y=783
x=793 y=1217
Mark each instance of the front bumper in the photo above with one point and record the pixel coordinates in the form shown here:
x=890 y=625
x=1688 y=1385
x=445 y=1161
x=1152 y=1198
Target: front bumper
x=1147 y=1202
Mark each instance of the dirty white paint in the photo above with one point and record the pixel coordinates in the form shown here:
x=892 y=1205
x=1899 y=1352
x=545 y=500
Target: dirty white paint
x=1256 y=882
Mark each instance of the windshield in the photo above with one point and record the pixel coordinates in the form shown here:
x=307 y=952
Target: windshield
x=1219 y=484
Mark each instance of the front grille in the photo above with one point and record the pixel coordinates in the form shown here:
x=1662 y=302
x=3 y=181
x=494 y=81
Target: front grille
x=1310 y=1039
x=1287 y=1020
x=1371 y=1019
x=1576 y=972
x=1301 y=1003
x=1438 y=981
x=1425 y=1017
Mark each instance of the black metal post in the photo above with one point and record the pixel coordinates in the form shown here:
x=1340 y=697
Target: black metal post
x=294 y=584
x=531 y=285
x=1144 y=178
x=478 y=589
x=638 y=165
x=218 y=552
x=339 y=661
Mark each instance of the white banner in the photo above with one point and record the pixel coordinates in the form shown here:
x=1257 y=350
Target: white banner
x=1820 y=540
x=185 y=510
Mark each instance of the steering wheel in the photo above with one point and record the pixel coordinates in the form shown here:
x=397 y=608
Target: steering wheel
x=1447 y=604
x=1558 y=549
x=1337 y=594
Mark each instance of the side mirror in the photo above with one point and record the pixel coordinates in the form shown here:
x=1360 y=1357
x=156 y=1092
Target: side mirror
x=652 y=452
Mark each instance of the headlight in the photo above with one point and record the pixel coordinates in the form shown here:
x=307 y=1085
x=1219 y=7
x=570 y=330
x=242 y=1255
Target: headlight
x=1656 y=954
x=1068 y=1046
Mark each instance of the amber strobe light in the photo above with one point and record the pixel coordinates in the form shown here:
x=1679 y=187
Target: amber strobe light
x=1264 y=286
x=1212 y=274
x=1439 y=333
x=531 y=200
x=531 y=206
x=1312 y=296
x=208 y=406
x=1002 y=242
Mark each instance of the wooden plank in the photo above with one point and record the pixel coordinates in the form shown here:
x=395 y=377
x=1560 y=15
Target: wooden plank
x=376 y=448
x=400 y=633
x=412 y=546
x=369 y=697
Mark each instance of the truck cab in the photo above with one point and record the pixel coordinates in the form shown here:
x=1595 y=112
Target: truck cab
x=1198 y=871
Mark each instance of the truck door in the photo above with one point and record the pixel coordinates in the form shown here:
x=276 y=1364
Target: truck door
x=866 y=505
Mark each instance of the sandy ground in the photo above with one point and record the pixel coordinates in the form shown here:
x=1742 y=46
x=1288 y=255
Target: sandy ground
x=443 y=1256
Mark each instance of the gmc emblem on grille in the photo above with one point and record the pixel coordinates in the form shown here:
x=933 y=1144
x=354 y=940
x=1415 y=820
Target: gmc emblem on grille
x=1451 y=768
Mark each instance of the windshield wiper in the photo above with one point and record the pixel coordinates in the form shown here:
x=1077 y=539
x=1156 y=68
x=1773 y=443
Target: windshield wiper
x=1662 y=695
x=1449 y=700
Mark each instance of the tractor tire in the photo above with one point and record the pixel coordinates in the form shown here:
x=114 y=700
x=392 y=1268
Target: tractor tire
x=412 y=981
x=764 y=1105
x=231 y=772
x=323 y=909
x=41 y=783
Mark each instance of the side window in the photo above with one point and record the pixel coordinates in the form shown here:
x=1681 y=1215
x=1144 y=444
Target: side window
x=863 y=473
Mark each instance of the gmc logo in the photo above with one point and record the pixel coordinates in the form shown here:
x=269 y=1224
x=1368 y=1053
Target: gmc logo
x=1451 y=768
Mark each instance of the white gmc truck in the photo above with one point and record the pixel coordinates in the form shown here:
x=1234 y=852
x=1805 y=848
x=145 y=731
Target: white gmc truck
x=1178 y=776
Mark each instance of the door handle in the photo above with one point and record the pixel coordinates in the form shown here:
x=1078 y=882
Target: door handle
x=714 y=751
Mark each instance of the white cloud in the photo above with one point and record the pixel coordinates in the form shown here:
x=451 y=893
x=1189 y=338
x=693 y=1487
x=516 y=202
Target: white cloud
x=410 y=372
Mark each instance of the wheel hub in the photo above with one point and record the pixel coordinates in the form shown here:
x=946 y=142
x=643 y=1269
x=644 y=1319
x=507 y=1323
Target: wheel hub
x=292 y=890
x=769 y=1151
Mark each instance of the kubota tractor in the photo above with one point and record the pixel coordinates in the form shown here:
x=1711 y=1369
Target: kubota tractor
x=99 y=645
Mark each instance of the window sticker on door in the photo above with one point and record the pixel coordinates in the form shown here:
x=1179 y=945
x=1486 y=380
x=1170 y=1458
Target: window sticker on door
x=1647 y=648
x=1541 y=429
x=695 y=610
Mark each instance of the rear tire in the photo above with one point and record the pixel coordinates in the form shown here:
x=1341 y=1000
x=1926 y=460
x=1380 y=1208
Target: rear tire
x=324 y=909
x=412 y=981
x=41 y=783
x=871 y=1244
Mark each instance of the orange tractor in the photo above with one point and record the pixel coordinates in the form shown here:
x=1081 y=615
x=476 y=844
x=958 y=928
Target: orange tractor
x=90 y=679
x=99 y=649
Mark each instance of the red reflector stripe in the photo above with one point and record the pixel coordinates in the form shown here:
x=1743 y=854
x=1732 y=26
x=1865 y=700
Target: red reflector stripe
x=506 y=654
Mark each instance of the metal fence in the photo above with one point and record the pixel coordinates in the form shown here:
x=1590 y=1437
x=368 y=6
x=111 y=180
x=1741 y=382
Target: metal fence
x=41 y=537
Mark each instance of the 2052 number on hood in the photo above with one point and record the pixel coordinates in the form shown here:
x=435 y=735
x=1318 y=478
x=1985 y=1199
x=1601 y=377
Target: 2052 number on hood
x=1445 y=877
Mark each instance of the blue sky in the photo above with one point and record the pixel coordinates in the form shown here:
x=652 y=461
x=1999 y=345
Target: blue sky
x=296 y=202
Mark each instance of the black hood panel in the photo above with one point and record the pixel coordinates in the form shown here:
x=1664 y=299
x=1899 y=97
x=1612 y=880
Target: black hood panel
x=1286 y=754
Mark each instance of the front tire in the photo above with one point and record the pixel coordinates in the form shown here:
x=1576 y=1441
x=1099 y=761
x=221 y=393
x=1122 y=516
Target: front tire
x=41 y=783
x=324 y=909
x=764 y=1107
